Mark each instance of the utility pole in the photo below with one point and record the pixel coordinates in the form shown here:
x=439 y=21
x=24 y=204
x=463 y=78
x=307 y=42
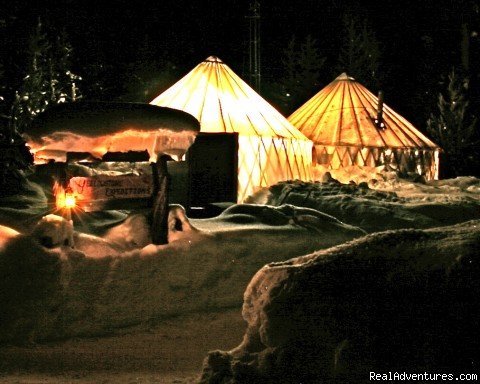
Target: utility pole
x=254 y=45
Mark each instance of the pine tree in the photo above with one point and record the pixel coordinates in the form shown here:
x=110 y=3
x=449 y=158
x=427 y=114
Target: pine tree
x=49 y=79
x=302 y=63
x=3 y=116
x=63 y=82
x=149 y=75
x=360 y=53
x=455 y=129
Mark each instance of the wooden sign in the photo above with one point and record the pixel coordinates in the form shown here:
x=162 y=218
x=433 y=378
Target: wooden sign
x=92 y=192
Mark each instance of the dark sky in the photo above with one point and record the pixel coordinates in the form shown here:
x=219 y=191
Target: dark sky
x=192 y=30
x=186 y=32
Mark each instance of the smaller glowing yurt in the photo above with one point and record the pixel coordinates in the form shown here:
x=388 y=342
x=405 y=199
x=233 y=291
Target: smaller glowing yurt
x=352 y=128
x=270 y=148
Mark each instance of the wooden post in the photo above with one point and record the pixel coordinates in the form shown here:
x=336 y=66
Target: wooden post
x=160 y=201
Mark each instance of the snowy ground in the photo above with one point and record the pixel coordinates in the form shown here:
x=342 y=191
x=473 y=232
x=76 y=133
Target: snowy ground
x=156 y=355
x=116 y=309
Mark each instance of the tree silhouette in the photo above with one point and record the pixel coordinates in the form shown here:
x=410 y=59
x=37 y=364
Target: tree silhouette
x=360 y=52
x=454 y=128
x=3 y=115
x=149 y=75
x=49 y=79
x=301 y=63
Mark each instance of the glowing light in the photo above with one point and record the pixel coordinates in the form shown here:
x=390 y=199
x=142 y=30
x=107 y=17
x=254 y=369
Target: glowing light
x=162 y=140
x=64 y=198
x=70 y=200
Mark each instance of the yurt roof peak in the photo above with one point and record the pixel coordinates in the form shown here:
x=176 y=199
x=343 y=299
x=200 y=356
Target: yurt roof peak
x=344 y=76
x=223 y=102
x=213 y=59
x=345 y=113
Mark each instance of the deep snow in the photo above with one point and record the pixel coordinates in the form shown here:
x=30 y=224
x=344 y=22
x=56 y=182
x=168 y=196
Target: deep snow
x=401 y=301
x=115 y=279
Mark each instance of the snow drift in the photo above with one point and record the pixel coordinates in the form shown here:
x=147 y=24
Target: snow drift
x=383 y=204
x=403 y=301
x=388 y=300
x=49 y=290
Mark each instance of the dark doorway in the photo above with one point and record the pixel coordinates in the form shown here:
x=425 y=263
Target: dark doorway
x=213 y=169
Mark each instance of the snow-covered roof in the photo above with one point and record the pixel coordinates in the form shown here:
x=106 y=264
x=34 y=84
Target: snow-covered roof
x=100 y=127
x=95 y=119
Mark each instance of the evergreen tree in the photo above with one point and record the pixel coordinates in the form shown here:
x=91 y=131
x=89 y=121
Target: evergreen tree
x=3 y=115
x=454 y=129
x=149 y=75
x=63 y=82
x=360 y=53
x=3 y=111
x=148 y=79
x=49 y=79
x=302 y=64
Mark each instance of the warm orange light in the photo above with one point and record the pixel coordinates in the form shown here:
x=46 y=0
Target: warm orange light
x=70 y=201
x=65 y=198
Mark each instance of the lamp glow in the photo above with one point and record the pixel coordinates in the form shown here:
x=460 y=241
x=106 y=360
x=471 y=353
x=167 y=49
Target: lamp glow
x=70 y=201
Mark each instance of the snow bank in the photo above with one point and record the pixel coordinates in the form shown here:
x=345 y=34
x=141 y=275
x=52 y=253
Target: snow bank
x=404 y=301
x=411 y=186
x=399 y=204
x=49 y=290
x=22 y=211
x=6 y=234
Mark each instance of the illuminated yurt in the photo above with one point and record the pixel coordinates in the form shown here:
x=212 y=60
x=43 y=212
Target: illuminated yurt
x=353 y=128
x=270 y=149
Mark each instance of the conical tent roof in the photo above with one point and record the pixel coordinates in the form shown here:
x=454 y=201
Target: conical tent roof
x=223 y=102
x=351 y=127
x=271 y=149
x=343 y=114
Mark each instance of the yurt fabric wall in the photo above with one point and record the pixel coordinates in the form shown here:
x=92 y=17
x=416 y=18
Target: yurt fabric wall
x=271 y=149
x=351 y=127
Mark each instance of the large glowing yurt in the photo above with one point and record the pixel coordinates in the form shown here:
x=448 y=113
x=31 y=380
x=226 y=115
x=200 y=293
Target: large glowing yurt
x=353 y=128
x=270 y=148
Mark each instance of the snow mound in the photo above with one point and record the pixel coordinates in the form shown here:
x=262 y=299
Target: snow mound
x=403 y=301
x=441 y=203
x=49 y=289
x=254 y=215
x=54 y=231
x=6 y=234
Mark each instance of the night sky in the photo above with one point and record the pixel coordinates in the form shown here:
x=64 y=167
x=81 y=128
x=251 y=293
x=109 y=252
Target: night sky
x=116 y=34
